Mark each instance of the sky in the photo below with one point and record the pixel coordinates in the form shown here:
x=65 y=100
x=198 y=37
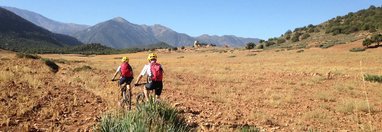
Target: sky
x=244 y=18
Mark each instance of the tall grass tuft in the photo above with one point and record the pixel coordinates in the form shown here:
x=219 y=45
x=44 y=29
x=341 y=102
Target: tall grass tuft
x=373 y=78
x=82 y=68
x=151 y=116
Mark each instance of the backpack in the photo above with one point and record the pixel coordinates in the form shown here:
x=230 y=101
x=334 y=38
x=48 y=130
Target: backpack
x=126 y=70
x=156 y=72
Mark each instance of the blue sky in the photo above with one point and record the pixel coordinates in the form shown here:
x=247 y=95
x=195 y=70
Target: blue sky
x=245 y=18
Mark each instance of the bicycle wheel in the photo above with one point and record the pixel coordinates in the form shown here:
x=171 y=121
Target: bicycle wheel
x=126 y=101
x=140 y=100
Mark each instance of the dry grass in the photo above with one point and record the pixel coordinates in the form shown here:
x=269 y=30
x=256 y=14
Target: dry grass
x=290 y=89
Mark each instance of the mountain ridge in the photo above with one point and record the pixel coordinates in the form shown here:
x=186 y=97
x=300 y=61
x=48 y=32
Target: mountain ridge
x=18 y=34
x=47 y=23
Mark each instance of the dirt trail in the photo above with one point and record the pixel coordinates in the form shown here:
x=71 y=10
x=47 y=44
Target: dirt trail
x=52 y=106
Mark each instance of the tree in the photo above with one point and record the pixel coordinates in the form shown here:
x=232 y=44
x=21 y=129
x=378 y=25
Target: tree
x=367 y=42
x=250 y=45
x=261 y=41
x=377 y=38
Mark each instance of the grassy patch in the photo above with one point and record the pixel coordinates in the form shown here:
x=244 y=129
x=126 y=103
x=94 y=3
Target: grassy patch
x=151 y=117
x=232 y=56
x=28 y=56
x=82 y=68
x=357 y=49
x=326 y=96
x=248 y=128
x=353 y=105
x=373 y=78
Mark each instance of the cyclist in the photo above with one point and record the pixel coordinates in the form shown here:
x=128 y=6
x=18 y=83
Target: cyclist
x=154 y=72
x=126 y=73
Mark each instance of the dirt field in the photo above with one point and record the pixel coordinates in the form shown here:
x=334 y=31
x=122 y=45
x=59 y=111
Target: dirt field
x=215 y=89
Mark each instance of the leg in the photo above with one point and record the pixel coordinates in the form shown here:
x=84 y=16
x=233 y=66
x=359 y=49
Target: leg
x=145 y=91
x=158 y=90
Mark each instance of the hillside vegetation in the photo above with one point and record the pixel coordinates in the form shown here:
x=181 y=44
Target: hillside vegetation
x=18 y=34
x=339 y=30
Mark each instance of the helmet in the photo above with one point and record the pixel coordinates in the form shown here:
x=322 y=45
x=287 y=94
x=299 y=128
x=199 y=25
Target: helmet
x=125 y=59
x=152 y=56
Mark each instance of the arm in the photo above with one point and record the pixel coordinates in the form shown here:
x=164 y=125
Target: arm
x=139 y=78
x=116 y=72
x=143 y=72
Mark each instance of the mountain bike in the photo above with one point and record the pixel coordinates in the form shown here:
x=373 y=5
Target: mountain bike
x=140 y=99
x=125 y=102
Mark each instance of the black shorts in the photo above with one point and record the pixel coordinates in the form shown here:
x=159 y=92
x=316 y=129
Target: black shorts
x=125 y=80
x=155 y=85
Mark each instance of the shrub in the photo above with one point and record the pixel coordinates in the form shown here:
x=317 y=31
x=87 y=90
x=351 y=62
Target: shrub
x=295 y=39
x=182 y=47
x=367 y=42
x=175 y=49
x=260 y=46
x=357 y=49
x=53 y=66
x=250 y=45
x=28 y=56
x=280 y=41
x=299 y=51
x=151 y=116
x=377 y=38
x=305 y=36
x=326 y=45
x=373 y=78
x=247 y=128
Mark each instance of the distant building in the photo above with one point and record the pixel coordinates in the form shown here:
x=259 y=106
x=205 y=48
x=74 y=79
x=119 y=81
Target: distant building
x=202 y=45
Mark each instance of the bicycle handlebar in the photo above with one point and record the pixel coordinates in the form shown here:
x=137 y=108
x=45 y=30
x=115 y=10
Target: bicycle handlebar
x=139 y=84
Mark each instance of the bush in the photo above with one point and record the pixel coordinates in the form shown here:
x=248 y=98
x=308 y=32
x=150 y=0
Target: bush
x=260 y=46
x=367 y=42
x=182 y=47
x=175 y=49
x=53 y=66
x=250 y=45
x=28 y=56
x=326 y=45
x=377 y=38
x=280 y=41
x=305 y=36
x=151 y=117
x=357 y=49
x=295 y=38
x=373 y=78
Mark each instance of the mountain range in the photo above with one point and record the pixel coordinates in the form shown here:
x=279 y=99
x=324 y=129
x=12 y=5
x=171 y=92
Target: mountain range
x=19 y=34
x=119 y=33
x=51 y=25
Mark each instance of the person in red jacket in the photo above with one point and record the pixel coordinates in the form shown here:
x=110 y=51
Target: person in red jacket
x=154 y=72
x=126 y=72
